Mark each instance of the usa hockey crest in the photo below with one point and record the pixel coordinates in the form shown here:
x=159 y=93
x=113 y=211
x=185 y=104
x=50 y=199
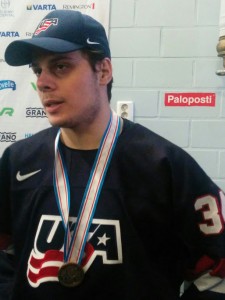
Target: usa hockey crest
x=46 y=257
x=45 y=24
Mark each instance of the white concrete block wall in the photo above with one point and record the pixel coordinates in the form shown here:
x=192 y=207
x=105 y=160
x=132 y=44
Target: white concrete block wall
x=161 y=46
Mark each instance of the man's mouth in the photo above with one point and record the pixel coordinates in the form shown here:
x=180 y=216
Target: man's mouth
x=52 y=106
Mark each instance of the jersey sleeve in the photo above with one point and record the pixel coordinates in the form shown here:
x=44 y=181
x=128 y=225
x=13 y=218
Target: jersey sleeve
x=6 y=275
x=6 y=256
x=189 y=203
x=201 y=205
x=5 y=208
x=193 y=293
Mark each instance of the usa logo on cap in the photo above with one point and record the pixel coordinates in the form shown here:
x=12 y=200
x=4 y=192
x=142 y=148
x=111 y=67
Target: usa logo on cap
x=45 y=24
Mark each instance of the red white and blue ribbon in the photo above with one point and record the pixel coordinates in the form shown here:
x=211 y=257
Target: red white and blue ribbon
x=74 y=243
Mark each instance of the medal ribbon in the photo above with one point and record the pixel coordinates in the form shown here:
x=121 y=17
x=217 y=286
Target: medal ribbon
x=74 y=243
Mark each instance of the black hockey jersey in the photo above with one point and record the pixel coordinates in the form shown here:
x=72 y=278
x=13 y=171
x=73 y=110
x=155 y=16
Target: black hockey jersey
x=159 y=221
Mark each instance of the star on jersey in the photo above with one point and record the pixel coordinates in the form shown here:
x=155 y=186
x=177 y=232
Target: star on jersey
x=103 y=240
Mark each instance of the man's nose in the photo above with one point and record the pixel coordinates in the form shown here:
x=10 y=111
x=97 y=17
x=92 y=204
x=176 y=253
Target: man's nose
x=45 y=81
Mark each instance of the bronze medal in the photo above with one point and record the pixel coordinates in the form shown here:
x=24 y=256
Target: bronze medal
x=71 y=274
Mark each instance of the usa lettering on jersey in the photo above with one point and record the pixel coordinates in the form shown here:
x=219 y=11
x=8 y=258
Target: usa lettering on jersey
x=46 y=257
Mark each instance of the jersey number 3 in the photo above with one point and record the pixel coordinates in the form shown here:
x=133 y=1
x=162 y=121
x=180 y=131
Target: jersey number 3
x=213 y=215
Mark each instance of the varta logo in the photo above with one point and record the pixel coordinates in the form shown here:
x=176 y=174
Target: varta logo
x=9 y=34
x=41 y=7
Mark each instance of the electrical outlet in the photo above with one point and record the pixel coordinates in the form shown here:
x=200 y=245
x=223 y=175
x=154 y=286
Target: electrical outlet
x=125 y=109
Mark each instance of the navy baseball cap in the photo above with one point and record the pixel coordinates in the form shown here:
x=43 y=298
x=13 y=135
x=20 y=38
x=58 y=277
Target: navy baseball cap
x=60 y=31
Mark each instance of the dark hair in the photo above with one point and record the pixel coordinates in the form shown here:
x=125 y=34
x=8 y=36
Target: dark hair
x=94 y=57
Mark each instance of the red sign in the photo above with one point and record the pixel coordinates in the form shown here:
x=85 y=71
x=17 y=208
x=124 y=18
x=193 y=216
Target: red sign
x=190 y=99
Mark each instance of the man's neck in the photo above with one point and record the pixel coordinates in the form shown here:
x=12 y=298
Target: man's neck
x=86 y=137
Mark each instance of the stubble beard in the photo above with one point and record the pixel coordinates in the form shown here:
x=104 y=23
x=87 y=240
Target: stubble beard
x=83 y=120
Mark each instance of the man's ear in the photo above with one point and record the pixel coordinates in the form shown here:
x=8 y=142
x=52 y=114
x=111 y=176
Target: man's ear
x=105 y=71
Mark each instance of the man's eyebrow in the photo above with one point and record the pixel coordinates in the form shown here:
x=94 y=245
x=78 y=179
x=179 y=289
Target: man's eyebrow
x=35 y=62
x=61 y=56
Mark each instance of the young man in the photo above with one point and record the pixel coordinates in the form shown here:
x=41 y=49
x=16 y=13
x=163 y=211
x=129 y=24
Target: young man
x=97 y=206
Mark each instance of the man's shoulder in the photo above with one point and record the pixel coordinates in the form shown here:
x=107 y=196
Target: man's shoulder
x=135 y=133
x=44 y=138
x=144 y=145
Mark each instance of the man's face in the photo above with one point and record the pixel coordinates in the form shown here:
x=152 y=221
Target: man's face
x=70 y=91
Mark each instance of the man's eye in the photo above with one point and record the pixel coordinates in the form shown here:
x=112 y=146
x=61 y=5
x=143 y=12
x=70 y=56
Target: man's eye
x=37 y=71
x=61 y=67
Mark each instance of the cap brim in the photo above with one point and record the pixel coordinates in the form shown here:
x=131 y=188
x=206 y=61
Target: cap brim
x=20 y=53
